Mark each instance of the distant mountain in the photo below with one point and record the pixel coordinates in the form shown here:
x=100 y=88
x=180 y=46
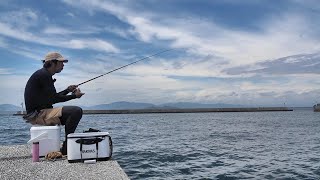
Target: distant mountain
x=121 y=105
x=9 y=107
x=134 y=105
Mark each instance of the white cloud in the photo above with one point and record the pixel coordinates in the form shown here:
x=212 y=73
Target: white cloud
x=118 y=31
x=8 y=30
x=280 y=38
x=65 y=31
x=21 y=50
x=22 y=20
x=281 y=35
x=5 y=71
x=28 y=52
x=94 y=44
x=71 y=14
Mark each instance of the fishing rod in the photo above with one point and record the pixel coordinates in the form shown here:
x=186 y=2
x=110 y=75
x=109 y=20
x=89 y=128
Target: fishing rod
x=125 y=66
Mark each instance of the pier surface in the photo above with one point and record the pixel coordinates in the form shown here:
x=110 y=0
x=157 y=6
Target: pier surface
x=16 y=163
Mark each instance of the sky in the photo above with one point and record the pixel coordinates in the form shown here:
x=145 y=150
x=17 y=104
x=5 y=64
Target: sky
x=248 y=52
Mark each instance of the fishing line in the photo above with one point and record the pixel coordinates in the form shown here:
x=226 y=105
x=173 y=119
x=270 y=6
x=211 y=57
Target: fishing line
x=125 y=66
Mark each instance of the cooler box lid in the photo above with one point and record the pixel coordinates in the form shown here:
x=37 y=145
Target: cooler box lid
x=88 y=134
x=41 y=128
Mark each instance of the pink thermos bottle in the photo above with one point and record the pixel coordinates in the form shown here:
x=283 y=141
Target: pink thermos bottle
x=35 y=152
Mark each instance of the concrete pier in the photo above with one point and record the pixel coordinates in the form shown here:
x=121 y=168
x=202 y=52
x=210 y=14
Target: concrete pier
x=16 y=163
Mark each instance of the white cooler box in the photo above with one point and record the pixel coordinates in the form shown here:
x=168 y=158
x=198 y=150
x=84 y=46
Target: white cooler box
x=89 y=146
x=50 y=138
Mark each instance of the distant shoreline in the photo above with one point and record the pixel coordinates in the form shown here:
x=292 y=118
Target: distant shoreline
x=193 y=110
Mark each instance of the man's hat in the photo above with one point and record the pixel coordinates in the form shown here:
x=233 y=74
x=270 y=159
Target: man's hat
x=54 y=56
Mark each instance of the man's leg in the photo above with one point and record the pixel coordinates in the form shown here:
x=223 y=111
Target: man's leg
x=71 y=116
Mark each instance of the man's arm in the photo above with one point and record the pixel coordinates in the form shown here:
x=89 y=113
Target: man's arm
x=64 y=92
x=61 y=98
x=52 y=95
x=76 y=93
x=69 y=89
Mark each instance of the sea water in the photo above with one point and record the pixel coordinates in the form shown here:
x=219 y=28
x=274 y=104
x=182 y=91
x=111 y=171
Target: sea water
x=241 y=145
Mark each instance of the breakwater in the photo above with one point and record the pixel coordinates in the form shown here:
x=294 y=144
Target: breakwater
x=195 y=110
x=172 y=110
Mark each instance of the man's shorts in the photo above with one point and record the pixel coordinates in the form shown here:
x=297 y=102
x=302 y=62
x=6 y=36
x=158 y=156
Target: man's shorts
x=47 y=117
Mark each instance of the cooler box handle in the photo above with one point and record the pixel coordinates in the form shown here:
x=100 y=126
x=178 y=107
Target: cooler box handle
x=89 y=141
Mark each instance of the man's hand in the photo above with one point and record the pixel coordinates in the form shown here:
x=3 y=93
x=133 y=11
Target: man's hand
x=78 y=93
x=72 y=88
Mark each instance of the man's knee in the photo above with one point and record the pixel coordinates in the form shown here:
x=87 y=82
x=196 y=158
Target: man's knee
x=74 y=111
x=78 y=110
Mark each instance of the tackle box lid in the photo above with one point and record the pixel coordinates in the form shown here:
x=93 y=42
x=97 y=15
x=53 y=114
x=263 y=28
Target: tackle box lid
x=87 y=134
